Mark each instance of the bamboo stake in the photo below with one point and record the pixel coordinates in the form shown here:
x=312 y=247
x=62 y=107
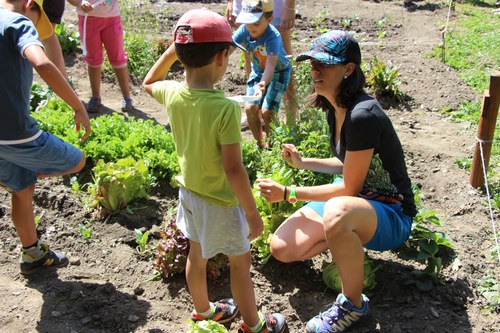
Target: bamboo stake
x=486 y=130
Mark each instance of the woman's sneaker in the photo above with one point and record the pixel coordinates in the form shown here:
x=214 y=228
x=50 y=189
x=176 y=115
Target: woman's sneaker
x=225 y=311
x=49 y=258
x=339 y=316
x=275 y=323
x=94 y=105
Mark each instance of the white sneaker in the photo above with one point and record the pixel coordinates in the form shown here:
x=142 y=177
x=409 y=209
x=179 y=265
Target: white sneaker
x=244 y=121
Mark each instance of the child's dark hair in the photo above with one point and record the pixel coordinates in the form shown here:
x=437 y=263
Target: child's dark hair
x=267 y=14
x=197 y=55
x=350 y=88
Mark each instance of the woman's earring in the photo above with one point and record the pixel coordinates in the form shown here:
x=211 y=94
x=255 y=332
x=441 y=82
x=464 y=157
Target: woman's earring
x=345 y=77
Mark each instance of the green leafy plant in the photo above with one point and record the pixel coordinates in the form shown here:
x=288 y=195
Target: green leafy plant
x=141 y=55
x=384 y=80
x=423 y=246
x=172 y=251
x=331 y=276
x=141 y=238
x=38 y=95
x=346 y=23
x=69 y=40
x=205 y=326
x=119 y=183
x=489 y=288
x=85 y=230
x=38 y=218
x=113 y=137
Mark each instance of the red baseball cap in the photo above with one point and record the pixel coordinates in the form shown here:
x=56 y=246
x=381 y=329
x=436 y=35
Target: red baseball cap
x=202 y=26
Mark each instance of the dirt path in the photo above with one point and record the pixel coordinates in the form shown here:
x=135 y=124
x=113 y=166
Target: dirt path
x=105 y=289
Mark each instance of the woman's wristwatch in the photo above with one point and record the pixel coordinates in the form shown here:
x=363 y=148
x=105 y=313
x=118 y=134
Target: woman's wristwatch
x=293 y=196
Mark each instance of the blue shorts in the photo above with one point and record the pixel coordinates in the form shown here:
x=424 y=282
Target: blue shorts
x=393 y=226
x=275 y=90
x=20 y=163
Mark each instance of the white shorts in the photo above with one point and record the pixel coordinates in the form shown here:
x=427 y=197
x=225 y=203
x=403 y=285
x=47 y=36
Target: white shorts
x=217 y=229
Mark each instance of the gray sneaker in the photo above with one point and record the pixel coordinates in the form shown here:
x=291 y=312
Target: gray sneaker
x=127 y=105
x=339 y=316
x=49 y=258
x=94 y=105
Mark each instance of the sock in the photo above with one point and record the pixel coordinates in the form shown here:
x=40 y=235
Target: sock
x=209 y=312
x=35 y=251
x=259 y=325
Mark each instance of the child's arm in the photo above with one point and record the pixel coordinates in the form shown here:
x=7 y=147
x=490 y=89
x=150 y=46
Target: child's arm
x=238 y=178
x=82 y=4
x=268 y=73
x=160 y=69
x=53 y=77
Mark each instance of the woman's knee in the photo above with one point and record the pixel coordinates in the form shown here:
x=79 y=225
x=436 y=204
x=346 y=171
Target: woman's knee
x=281 y=251
x=335 y=213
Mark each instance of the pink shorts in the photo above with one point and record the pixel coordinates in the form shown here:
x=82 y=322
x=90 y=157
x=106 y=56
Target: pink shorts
x=107 y=31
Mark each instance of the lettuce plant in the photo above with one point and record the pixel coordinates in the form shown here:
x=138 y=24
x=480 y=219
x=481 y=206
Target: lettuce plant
x=172 y=252
x=331 y=276
x=117 y=184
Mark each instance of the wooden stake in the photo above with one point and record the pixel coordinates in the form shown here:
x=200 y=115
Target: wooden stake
x=486 y=130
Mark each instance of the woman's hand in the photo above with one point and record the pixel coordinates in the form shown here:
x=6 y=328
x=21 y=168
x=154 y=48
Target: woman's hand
x=271 y=190
x=291 y=155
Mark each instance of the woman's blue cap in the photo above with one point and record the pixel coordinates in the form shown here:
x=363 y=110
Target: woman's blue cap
x=333 y=47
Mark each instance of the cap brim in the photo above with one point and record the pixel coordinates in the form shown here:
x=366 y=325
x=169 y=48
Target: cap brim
x=322 y=57
x=43 y=26
x=248 y=18
x=241 y=47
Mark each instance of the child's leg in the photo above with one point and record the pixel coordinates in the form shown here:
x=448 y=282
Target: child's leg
x=242 y=288
x=123 y=80
x=268 y=116
x=95 y=80
x=254 y=122
x=112 y=38
x=196 y=276
x=23 y=216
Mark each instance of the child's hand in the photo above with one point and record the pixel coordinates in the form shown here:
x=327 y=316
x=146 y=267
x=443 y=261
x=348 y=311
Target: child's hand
x=255 y=225
x=291 y=155
x=259 y=88
x=86 y=6
x=82 y=118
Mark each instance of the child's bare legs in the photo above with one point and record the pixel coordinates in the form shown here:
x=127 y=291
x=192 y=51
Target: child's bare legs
x=254 y=122
x=196 y=276
x=95 y=80
x=23 y=216
x=22 y=208
x=242 y=288
x=123 y=80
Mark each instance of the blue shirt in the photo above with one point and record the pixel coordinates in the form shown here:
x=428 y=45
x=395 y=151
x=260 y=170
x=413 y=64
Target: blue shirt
x=17 y=33
x=258 y=50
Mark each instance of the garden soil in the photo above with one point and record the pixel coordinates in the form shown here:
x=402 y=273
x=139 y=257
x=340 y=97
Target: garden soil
x=107 y=287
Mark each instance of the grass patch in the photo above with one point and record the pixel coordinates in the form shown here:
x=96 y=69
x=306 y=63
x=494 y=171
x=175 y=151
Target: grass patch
x=473 y=44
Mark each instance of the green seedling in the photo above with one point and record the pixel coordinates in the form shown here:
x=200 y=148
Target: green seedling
x=141 y=238
x=85 y=230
